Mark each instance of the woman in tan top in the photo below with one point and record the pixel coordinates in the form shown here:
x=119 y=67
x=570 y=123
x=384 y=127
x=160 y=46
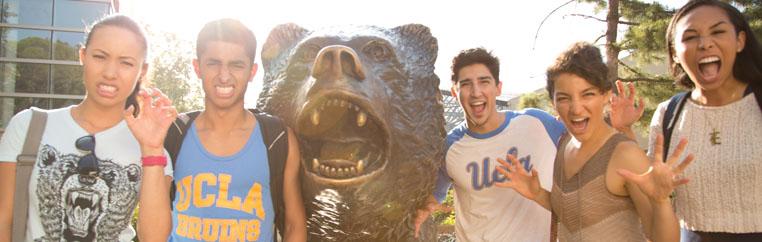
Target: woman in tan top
x=596 y=195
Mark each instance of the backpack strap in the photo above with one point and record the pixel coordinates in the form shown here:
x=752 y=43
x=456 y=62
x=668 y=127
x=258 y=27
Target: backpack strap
x=756 y=89
x=275 y=137
x=24 y=165
x=671 y=116
x=174 y=140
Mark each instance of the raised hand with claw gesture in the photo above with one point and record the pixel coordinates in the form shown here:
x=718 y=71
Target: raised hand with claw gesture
x=150 y=128
x=624 y=111
x=522 y=182
x=152 y=122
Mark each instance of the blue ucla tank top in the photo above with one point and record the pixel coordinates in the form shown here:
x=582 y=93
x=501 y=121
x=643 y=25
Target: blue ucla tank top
x=222 y=198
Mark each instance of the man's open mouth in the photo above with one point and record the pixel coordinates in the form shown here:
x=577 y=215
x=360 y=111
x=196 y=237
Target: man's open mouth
x=343 y=142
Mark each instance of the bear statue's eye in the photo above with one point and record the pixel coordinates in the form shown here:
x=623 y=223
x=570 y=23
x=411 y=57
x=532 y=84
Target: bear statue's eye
x=377 y=50
x=308 y=52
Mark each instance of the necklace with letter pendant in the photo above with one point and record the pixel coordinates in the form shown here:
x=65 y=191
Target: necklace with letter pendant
x=714 y=136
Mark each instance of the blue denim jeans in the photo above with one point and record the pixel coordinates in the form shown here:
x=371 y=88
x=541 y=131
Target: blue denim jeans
x=698 y=236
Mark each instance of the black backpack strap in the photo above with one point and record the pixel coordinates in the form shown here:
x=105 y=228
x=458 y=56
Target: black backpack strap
x=756 y=89
x=671 y=115
x=174 y=140
x=24 y=165
x=275 y=137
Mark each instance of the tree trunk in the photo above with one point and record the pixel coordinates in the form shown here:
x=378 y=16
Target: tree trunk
x=612 y=51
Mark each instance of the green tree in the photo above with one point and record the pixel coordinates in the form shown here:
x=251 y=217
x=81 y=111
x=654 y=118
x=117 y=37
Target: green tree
x=32 y=77
x=67 y=79
x=171 y=70
x=644 y=41
x=539 y=100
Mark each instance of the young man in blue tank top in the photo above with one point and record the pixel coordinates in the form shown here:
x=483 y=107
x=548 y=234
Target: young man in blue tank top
x=483 y=211
x=222 y=176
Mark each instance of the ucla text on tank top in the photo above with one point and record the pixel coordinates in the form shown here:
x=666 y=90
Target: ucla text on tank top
x=222 y=198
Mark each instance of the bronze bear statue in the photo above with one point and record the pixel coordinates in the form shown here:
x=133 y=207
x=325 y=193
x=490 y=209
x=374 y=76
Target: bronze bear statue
x=365 y=105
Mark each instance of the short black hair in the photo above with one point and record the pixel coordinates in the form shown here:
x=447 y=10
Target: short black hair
x=227 y=30
x=476 y=56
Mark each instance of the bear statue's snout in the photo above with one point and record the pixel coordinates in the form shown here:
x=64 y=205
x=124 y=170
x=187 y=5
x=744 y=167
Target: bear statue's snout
x=335 y=62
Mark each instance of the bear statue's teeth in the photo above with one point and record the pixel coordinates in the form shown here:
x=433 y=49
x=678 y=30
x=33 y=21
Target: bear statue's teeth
x=340 y=172
x=337 y=172
x=361 y=119
x=343 y=103
x=315 y=118
x=353 y=171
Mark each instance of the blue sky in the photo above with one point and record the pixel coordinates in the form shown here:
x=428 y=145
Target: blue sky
x=506 y=27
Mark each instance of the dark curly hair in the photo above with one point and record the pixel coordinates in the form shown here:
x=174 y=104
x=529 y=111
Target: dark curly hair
x=476 y=56
x=748 y=64
x=581 y=59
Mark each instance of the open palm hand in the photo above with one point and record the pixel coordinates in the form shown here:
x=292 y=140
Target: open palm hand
x=661 y=178
x=525 y=184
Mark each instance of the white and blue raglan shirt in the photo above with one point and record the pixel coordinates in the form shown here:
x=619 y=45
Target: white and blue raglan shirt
x=485 y=212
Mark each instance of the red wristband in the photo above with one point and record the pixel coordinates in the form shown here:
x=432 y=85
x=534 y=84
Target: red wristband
x=154 y=160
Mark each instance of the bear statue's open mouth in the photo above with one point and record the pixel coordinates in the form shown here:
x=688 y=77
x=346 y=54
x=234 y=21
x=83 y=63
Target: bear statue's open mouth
x=343 y=142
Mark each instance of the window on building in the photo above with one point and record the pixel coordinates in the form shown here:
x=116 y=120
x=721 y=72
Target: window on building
x=39 y=60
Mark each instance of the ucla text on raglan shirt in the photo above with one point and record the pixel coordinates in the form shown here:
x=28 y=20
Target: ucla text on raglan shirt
x=485 y=212
x=222 y=198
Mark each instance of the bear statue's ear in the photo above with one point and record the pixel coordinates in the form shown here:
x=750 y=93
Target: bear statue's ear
x=280 y=42
x=421 y=46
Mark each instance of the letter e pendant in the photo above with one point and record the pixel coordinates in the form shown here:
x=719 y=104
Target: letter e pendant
x=715 y=137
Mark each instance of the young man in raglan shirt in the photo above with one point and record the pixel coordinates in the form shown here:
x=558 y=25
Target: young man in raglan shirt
x=485 y=212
